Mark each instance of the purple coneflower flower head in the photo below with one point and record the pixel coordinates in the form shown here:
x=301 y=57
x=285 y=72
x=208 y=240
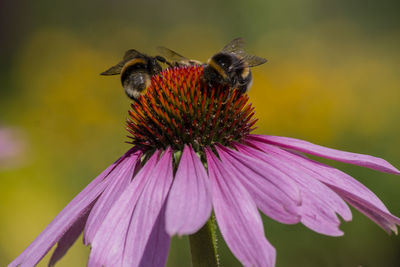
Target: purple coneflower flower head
x=193 y=158
x=12 y=146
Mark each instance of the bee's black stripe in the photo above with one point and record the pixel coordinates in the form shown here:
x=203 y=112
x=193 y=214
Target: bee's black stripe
x=133 y=62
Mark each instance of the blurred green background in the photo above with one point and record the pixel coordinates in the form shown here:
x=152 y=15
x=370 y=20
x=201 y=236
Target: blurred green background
x=333 y=78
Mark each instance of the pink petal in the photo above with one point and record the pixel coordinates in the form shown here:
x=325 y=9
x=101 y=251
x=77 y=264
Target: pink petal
x=346 y=186
x=237 y=217
x=119 y=180
x=320 y=203
x=69 y=238
x=384 y=219
x=329 y=153
x=64 y=220
x=109 y=242
x=189 y=202
x=147 y=211
x=275 y=194
x=157 y=248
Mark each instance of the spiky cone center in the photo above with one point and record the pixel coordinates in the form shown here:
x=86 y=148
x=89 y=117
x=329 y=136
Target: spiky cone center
x=181 y=108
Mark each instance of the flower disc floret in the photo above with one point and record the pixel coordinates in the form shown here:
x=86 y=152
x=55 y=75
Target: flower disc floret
x=180 y=108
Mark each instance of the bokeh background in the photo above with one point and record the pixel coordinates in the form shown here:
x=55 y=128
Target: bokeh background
x=333 y=78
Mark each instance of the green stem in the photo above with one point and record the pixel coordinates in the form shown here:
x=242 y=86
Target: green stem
x=203 y=246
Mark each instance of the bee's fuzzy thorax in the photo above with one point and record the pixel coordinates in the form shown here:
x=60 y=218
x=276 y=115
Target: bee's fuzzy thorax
x=217 y=68
x=180 y=108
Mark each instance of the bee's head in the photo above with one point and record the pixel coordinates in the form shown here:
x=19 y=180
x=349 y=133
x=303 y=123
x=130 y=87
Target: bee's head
x=154 y=66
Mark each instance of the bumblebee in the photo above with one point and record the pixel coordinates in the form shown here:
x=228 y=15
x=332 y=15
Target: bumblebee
x=136 y=70
x=175 y=59
x=231 y=67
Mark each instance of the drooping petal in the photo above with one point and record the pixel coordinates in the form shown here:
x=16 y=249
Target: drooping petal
x=65 y=219
x=346 y=186
x=147 y=211
x=157 y=248
x=320 y=204
x=329 y=153
x=69 y=238
x=119 y=180
x=189 y=201
x=238 y=217
x=109 y=242
x=387 y=221
x=275 y=194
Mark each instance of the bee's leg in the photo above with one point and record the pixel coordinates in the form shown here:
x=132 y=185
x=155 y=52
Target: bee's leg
x=229 y=95
x=163 y=60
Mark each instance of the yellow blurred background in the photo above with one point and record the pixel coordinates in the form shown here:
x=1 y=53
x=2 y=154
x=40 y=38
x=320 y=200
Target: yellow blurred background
x=332 y=77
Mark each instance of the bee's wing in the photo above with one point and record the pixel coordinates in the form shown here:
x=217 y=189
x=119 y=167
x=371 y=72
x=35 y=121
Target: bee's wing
x=235 y=46
x=170 y=54
x=254 y=60
x=132 y=53
x=114 y=69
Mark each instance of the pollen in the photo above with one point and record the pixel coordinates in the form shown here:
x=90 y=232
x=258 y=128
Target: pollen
x=180 y=108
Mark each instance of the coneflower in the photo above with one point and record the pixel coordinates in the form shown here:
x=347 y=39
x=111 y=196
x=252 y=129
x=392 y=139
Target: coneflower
x=12 y=146
x=194 y=162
